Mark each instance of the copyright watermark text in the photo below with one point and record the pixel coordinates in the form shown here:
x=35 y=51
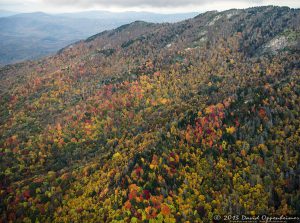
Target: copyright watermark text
x=256 y=219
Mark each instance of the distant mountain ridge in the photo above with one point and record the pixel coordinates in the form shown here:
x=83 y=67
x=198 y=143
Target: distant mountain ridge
x=132 y=15
x=33 y=35
x=5 y=13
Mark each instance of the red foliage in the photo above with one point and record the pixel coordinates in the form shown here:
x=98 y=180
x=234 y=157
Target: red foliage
x=132 y=195
x=262 y=113
x=127 y=205
x=165 y=210
x=26 y=194
x=146 y=194
x=205 y=130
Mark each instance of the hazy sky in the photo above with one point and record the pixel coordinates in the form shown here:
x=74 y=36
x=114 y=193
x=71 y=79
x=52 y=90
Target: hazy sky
x=161 y=6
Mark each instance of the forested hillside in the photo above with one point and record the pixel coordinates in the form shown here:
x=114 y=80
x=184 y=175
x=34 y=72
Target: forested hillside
x=157 y=123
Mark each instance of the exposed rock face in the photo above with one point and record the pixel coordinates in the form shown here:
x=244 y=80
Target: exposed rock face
x=285 y=41
x=277 y=44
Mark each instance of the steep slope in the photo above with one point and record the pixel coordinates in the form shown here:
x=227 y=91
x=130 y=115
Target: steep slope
x=156 y=122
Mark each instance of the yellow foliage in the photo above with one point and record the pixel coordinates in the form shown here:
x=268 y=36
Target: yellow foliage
x=202 y=197
x=117 y=155
x=243 y=152
x=163 y=101
x=230 y=130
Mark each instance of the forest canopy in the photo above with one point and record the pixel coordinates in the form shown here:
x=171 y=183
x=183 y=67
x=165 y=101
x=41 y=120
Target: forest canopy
x=157 y=123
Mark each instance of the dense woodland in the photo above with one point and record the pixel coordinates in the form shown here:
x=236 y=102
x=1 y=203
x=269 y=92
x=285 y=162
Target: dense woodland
x=157 y=123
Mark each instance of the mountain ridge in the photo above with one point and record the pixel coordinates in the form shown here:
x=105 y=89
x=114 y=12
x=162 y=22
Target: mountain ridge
x=32 y=35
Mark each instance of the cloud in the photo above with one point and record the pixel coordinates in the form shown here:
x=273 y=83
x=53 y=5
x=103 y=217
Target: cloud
x=138 y=5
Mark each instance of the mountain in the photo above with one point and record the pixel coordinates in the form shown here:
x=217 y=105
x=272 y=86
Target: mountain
x=5 y=13
x=131 y=16
x=155 y=122
x=33 y=35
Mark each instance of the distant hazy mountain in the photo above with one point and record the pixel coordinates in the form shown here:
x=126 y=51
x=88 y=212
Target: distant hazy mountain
x=5 y=13
x=32 y=35
x=132 y=16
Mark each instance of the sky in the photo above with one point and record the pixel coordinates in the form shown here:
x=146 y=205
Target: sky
x=160 y=6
